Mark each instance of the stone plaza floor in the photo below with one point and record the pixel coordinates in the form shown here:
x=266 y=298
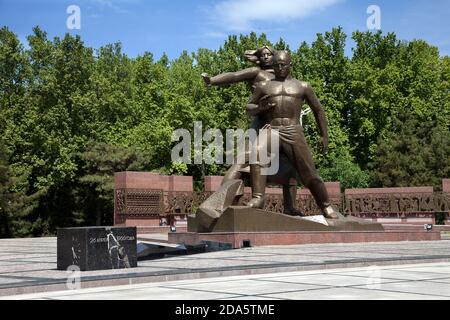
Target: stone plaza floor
x=405 y=282
x=384 y=270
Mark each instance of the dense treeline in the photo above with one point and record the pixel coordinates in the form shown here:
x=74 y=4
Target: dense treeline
x=71 y=116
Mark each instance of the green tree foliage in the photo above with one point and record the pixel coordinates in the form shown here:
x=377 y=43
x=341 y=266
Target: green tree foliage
x=95 y=189
x=71 y=116
x=5 y=195
x=15 y=206
x=413 y=153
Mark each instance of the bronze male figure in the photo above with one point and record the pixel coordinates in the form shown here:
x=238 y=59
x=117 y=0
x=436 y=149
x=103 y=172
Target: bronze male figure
x=254 y=75
x=278 y=103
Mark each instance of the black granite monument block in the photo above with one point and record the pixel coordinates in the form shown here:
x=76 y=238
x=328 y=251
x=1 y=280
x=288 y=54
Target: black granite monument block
x=97 y=248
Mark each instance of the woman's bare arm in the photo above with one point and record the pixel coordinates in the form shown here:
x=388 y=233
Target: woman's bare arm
x=231 y=77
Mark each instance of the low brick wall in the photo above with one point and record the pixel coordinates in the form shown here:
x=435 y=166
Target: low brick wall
x=150 y=199
x=411 y=205
x=147 y=199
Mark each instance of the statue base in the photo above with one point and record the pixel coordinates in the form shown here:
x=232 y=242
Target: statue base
x=247 y=219
x=238 y=240
x=239 y=227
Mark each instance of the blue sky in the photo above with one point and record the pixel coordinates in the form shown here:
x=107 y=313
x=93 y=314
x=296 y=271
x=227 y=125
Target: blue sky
x=172 y=26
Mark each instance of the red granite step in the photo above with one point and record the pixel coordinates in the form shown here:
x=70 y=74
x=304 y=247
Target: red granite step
x=414 y=227
x=165 y=229
x=242 y=239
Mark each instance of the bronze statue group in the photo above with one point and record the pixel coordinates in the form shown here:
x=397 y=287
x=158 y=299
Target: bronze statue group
x=275 y=105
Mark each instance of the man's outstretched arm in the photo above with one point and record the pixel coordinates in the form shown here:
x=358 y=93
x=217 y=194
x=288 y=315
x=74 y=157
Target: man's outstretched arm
x=319 y=114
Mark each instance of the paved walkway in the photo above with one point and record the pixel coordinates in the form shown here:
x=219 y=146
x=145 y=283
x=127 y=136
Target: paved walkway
x=29 y=265
x=406 y=282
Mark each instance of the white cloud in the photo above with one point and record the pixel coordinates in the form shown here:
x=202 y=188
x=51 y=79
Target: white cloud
x=116 y=5
x=238 y=15
x=214 y=34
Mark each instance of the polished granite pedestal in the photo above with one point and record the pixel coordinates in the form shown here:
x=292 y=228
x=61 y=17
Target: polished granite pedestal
x=242 y=226
x=96 y=248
